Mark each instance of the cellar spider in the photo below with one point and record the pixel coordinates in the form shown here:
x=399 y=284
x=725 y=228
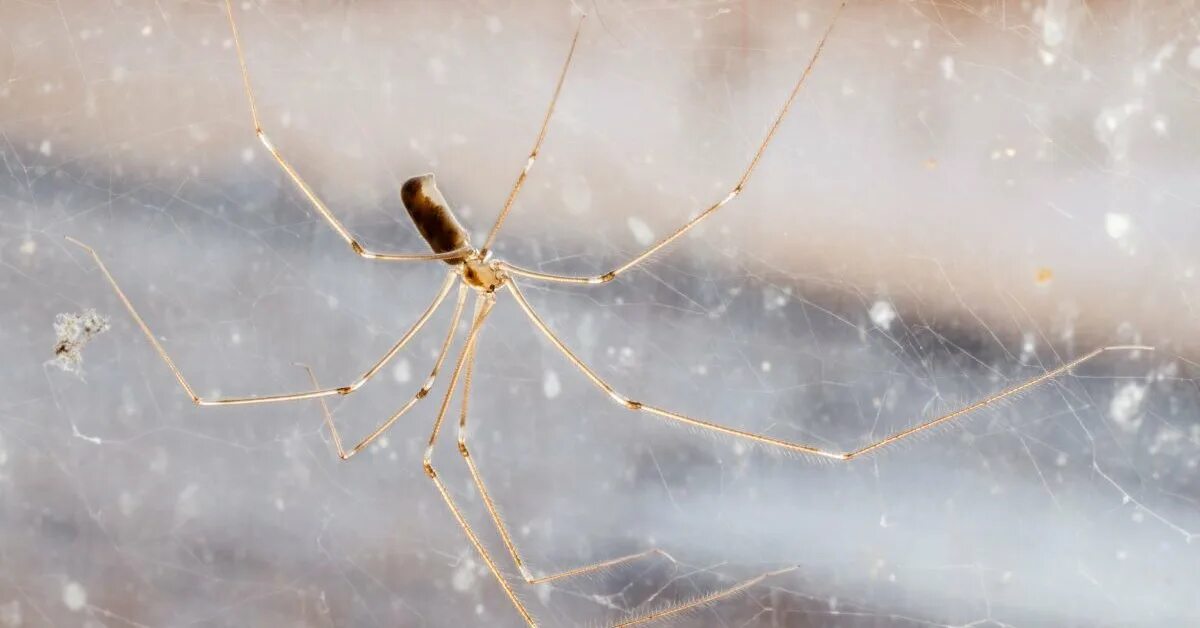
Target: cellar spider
x=475 y=270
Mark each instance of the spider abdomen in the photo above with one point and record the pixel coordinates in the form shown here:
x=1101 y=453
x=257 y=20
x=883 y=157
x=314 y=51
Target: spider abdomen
x=432 y=216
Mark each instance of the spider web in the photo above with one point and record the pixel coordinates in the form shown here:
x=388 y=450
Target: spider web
x=963 y=197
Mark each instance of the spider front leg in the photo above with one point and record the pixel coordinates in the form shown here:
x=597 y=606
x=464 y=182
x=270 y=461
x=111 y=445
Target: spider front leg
x=711 y=209
x=291 y=172
x=447 y=284
x=537 y=144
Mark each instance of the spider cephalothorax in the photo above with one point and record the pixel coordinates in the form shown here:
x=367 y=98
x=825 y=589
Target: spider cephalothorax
x=483 y=273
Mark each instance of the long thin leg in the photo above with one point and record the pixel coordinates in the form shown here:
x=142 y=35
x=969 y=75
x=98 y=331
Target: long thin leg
x=464 y=367
x=304 y=187
x=495 y=513
x=483 y=307
x=311 y=394
x=418 y=396
x=798 y=447
x=467 y=366
x=537 y=145
x=737 y=189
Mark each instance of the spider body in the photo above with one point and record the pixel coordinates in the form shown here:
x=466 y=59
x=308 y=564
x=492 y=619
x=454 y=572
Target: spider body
x=444 y=234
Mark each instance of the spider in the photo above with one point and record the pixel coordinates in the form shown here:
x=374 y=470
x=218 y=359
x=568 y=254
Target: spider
x=474 y=270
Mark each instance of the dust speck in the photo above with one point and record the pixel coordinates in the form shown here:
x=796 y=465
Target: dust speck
x=947 y=65
x=1053 y=31
x=882 y=314
x=72 y=332
x=74 y=596
x=1117 y=225
x=641 y=231
x=402 y=372
x=1028 y=347
x=1125 y=406
x=1160 y=125
x=551 y=387
x=464 y=577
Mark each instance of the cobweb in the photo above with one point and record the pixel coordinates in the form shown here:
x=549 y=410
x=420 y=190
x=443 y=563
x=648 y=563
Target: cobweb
x=965 y=195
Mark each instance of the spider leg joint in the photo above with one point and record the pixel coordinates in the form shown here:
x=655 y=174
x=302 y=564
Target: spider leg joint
x=529 y=579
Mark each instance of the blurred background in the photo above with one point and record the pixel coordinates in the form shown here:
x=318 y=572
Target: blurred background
x=964 y=195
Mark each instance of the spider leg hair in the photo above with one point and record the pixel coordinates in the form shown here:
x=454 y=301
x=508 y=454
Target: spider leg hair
x=703 y=600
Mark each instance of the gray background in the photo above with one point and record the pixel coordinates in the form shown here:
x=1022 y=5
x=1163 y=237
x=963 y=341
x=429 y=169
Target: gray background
x=940 y=159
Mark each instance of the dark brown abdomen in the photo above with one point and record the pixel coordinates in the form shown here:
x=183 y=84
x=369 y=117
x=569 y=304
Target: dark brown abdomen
x=432 y=216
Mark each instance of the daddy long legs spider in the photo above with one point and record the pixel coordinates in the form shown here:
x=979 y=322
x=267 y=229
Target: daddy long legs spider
x=473 y=270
